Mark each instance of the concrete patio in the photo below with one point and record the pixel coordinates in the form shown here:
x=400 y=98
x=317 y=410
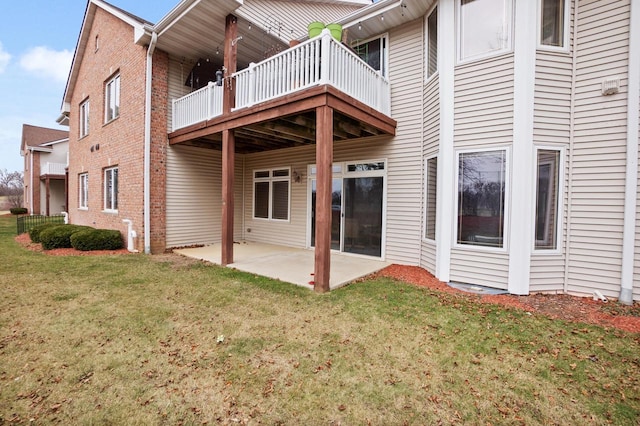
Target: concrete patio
x=293 y=265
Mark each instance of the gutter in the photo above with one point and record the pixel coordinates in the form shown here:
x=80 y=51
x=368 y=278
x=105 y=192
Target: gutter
x=147 y=144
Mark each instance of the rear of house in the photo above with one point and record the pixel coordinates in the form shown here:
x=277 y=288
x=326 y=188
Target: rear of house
x=511 y=161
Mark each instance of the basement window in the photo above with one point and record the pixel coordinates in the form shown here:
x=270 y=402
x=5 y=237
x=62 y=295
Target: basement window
x=271 y=194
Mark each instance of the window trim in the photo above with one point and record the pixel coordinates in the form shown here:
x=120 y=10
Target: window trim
x=83 y=120
x=507 y=200
x=565 y=35
x=425 y=237
x=271 y=179
x=83 y=191
x=510 y=9
x=114 y=82
x=114 y=196
x=428 y=76
x=559 y=201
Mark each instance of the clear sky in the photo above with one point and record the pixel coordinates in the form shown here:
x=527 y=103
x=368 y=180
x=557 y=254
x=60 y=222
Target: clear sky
x=37 y=40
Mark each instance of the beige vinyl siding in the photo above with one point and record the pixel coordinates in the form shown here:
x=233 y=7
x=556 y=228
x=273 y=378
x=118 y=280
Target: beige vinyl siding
x=179 y=69
x=636 y=268
x=483 y=119
x=194 y=196
x=597 y=193
x=405 y=173
x=484 y=103
x=430 y=148
x=552 y=127
x=289 y=19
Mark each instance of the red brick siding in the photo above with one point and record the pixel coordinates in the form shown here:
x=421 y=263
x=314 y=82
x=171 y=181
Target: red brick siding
x=118 y=143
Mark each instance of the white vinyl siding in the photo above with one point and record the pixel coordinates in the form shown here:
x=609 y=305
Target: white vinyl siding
x=179 y=70
x=597 y=193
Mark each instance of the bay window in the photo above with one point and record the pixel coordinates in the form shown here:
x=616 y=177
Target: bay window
x=481 y=198
x=484 y=27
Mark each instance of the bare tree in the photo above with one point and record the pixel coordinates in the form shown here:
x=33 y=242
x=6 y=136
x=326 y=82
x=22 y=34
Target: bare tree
x=11 y=186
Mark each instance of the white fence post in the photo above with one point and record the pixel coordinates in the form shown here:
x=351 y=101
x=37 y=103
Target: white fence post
x=325 y=56
x=251 y=99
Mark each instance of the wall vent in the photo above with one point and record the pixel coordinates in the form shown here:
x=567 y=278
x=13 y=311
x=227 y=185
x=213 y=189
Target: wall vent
x=610 y=86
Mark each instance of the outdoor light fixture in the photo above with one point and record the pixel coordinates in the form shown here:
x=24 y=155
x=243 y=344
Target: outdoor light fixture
x=359 y=26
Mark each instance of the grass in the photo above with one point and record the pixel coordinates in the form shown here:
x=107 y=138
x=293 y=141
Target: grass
x=136 y=339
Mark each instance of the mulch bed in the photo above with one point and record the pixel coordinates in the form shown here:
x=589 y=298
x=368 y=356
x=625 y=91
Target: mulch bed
x=557 y=306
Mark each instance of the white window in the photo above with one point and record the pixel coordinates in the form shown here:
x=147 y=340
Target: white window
x=432 y=43
x=112 y=99
x=271 y=194
x=111 y=189
x=481 y=198
x=431 y=199
x=553 y=23
x=374 y=53
x=484 y=28
x=547 y=199
x=83 y=191
x=84 y=118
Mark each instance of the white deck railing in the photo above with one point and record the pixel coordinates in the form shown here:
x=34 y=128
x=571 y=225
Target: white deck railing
x=53 y=169
x=203 y=104
x=320 y=60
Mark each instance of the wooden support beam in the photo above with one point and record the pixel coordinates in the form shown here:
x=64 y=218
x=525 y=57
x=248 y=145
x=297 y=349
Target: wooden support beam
x=324 y=162
x=228 y=161
x=230 y=63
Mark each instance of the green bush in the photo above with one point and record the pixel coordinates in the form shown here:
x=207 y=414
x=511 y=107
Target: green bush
x=34 y=233
x=97 y=239
x=18 y=210
x=59 y=236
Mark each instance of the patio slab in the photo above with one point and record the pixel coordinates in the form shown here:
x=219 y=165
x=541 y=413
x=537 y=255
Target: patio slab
x=292 y=265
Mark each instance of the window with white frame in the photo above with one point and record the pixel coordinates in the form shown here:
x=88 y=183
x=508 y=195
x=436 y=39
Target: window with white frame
x=481 y=198
x=484 y=28
x=112 y=99
x=547 y=199
x=432 y=42
x=553 y=19
x=374 y=53
x=111 y=189
x=84 y=119
x=271 y=194
x=431 y=199
x=83 y=190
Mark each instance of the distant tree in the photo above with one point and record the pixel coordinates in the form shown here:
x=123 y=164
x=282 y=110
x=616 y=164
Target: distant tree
x=11 y=186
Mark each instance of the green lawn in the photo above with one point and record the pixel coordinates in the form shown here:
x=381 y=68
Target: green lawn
x=135 y=339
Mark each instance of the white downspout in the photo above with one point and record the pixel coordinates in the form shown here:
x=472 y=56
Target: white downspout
x=631 y=178
x=147 y=144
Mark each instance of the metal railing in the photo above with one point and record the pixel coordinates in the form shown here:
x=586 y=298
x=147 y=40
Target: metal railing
x=53 y=169
x=320 y=60
x=25 y=223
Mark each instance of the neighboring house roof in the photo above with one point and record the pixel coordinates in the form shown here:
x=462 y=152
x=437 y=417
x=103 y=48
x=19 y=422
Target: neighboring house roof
x=40 y=137
x=137 y=23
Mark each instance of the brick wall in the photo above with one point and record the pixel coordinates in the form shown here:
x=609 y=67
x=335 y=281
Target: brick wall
x=117 y=143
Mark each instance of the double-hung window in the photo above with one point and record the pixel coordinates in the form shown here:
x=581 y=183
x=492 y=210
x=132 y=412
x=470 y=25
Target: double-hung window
x=84 y=119
x=547 y=199
x=111 y=189
x=481 y=198
x=432 y=42
x=484 y=28
x=553 y=23
x=112 y=99
x=431 y=182
x=271 y=194
x=83 y=190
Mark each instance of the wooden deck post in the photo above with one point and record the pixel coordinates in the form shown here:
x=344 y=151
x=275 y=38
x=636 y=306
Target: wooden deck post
x=324 y=162
x=228 y=139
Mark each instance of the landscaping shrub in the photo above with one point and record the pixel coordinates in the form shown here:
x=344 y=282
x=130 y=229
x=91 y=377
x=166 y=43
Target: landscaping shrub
x=18 y=210
x=59 y=236
x=97 y=239
x=34 y=233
